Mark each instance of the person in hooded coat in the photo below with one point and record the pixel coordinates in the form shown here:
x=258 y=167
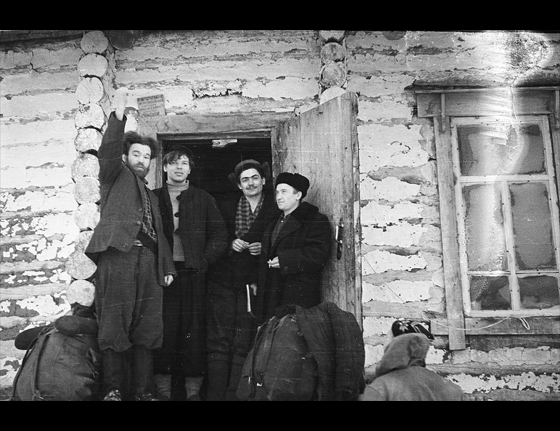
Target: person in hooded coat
x=295 y=248
x=401 y=374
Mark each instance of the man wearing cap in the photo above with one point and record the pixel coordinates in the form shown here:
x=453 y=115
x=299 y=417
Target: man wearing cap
x=295 y=248
x=401 y=374
x=231 y=325
x=197 y=235
x=134 y=262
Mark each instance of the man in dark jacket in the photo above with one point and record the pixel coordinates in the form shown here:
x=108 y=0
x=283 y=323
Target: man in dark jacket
x=295 y=248
x=133 y=259
x=196 y=232
x=231 y=326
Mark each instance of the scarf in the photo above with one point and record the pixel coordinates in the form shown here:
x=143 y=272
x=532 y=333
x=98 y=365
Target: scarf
x=244 y=217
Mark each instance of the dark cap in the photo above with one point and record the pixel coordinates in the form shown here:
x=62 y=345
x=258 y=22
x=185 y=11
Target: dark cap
x=263 y=169
x=297 y=181
x=404 y=326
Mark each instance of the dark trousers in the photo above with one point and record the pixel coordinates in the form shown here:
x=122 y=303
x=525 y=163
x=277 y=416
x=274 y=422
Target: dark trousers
x=183 y=352
x=129 y=371
x=231 y=330
x=128 y=300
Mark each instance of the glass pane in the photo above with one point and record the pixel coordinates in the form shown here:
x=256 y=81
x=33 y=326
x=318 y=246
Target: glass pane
x=490 y=293
x=532 y=226
x=484 y=228
x=500 y=149
x=539 y=292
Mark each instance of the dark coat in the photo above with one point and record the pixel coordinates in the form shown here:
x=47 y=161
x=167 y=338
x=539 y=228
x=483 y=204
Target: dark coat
x=335 y=340
x=121 y=204
x=401 y=375
x=243 y=266
x=303 y=247
x=201 y=227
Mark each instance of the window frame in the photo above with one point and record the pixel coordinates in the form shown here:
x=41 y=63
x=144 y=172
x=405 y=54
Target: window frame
x=443 y=105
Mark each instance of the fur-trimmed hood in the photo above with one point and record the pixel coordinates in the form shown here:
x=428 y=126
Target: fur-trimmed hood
x=403 y=351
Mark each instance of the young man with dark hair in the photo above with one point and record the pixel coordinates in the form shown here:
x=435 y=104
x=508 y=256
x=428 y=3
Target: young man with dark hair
x=197 y=235
x=134 y=262
x=231 y=326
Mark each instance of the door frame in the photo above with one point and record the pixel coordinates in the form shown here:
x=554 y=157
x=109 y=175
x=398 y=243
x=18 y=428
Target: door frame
x=244 y=125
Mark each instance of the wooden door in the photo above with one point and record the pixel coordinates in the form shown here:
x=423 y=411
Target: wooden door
x=322 y=144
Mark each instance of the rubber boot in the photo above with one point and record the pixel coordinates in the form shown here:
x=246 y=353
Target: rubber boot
x=218 y=375
x=113 y=374
x=163 y=386
x=234 y=377
x=142 y=366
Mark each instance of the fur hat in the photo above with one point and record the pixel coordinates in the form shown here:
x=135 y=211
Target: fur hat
x=263 y=169
x=297 y=181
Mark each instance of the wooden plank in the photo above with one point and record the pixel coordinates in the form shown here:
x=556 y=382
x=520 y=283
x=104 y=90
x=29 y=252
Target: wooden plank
x=487 y=343
x=450 y=246
x=321 y=144
x=498 y=102
x=512 y=325
x=214 y=124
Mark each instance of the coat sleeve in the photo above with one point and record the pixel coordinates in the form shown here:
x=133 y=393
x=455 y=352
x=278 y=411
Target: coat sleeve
x=216 y=234
x=313 y=255
x=110 y=150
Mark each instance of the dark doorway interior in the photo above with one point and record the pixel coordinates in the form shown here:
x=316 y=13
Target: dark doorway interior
x=214 y=161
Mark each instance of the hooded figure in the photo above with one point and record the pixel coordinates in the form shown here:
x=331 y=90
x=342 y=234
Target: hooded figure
x=401 y=374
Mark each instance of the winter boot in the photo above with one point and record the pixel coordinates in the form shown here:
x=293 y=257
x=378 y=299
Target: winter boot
x=163 y=386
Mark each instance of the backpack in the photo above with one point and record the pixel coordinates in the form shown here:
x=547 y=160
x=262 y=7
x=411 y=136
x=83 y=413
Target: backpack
x=279 y=367
x=59 y=367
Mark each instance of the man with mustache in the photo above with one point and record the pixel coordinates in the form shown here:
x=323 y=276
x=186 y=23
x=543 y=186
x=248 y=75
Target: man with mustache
x=197 y=235
x=133 y=258
x=231 y=326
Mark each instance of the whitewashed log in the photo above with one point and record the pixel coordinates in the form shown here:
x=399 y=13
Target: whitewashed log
x=331 y=35
x=394 y=35
x=91 y=115
x=83 y=239
x=332 y=51
x=94 y=42
x=27 y=291
x=85 y=165
x=79 y=266
x=86 y=216
x=81 y=292
x=88 y=139
x=93 y=65
x=90 y=90
x=333 y=74
x=86 y=189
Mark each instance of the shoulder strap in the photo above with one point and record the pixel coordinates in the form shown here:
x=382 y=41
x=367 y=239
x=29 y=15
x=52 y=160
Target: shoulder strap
x=37 y=343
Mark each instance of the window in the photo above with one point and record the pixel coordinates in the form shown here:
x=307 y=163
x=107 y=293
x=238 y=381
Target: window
x=507 y=210
x=498 y=167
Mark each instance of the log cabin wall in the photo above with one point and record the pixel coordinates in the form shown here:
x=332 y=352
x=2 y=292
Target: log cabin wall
x=55 y=98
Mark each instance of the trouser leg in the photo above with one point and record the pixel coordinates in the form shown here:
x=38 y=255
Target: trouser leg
x=218 y=375
x=113 y=370
x=142 y=369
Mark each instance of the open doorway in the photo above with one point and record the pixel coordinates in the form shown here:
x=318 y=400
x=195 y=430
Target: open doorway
x=215 y=159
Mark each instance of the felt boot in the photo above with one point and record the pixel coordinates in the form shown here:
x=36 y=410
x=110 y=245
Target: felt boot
x=218 y=375
x=192 y=387
x=163 y=386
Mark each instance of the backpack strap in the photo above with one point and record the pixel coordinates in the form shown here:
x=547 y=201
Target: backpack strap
x=38 y=342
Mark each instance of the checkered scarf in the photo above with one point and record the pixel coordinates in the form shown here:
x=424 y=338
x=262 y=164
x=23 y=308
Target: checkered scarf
x=244 y=217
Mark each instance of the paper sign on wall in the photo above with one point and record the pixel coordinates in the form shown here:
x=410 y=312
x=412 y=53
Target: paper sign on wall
x=150 y=106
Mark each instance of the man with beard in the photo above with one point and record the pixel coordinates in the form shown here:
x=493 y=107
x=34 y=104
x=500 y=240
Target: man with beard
x=133 y=260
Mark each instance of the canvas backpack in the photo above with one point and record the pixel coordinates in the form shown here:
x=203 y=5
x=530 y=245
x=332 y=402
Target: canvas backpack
x=279 y=367
x=59 y=367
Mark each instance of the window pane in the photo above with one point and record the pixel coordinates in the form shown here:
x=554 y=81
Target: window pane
x=500 y=149
x=484 y=228
x=532 y=226
x=539 y=292
x=490 y=293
